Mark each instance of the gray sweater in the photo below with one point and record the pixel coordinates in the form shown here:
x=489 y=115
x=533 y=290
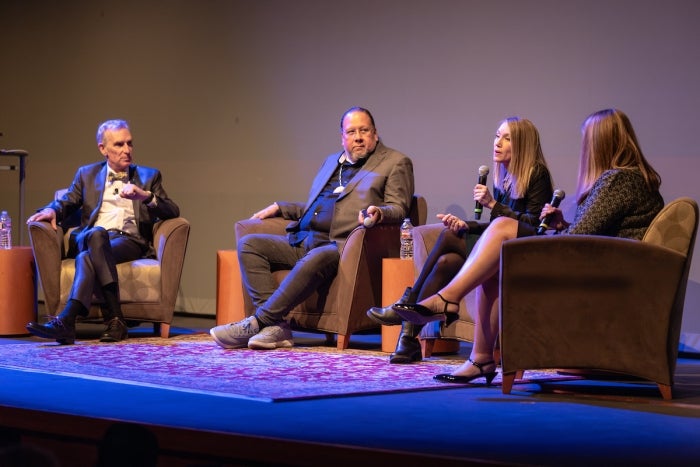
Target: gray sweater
x=619 y=205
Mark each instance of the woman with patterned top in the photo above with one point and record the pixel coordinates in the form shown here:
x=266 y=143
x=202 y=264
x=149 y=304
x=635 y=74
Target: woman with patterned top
x=618 y=195
x=522 y=186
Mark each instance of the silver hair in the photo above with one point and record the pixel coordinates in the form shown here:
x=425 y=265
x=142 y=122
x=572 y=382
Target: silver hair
x=110 y=125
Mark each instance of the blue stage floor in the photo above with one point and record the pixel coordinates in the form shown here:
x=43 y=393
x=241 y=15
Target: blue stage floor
x=608 y=423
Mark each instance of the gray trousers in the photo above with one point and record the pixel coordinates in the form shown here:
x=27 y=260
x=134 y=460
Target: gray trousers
x=262 y=254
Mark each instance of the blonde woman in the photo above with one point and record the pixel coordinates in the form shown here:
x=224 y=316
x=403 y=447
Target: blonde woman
x=522 y=186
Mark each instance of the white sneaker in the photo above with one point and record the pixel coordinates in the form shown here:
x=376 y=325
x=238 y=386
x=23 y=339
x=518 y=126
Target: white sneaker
x=272 y=337
x=235 y=335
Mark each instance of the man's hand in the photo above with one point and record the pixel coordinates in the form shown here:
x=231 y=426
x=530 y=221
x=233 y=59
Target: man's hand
x=370 y=216
x=272 y=210
x=132 y=192
x=46 y=214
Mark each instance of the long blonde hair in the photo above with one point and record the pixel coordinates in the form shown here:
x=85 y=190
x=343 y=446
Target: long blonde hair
x=526 y=154
x=609 y=142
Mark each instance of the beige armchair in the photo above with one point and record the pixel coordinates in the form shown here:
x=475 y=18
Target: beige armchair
x=341 y=310
x=148 y=288
x=598 y=303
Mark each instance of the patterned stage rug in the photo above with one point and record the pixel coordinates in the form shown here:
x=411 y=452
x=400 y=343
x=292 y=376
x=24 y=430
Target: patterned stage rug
x=195 y=364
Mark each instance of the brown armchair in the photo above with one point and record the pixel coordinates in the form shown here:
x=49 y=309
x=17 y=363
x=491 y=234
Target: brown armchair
x=148 y=288
x=596 y=303
x=341 y=310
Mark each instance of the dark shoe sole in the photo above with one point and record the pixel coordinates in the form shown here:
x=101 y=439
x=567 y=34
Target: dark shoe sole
x=383 y=320
x=400 y=359
x=113 y=338
x=40 y=331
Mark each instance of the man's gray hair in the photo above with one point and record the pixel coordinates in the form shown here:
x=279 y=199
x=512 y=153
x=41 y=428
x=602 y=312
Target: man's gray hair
x=110 y=125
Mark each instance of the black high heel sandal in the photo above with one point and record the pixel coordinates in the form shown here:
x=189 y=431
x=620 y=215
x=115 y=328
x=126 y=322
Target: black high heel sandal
x=448 y=378
x=419 y=314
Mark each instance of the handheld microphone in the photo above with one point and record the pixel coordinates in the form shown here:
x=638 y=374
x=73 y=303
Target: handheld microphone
x=478 y=208
x=368 y=220
x=556 y=199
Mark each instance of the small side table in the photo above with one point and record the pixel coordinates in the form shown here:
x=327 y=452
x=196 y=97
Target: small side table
x=17 y=290
x=229 y=294
x=397 y=274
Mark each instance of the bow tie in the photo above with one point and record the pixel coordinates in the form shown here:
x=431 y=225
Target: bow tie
x=121 y=176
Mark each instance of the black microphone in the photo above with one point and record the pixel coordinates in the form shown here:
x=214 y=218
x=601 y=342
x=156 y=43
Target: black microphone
x=478 y=208
x=556 y=199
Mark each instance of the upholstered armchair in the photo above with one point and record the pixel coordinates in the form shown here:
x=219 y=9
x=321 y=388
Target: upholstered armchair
x=148 y=288
x=598 y=303
x=341 y=309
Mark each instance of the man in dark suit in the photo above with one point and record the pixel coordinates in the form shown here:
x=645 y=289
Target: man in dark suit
x=118 y=202
x=364 y=175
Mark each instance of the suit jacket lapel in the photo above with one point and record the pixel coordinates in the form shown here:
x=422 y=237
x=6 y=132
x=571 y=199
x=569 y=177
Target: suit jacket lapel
x=324 y=174
x=135 y=180
x=96 y=194
x=374 y=159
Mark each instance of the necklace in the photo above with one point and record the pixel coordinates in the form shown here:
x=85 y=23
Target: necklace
x=340 y=187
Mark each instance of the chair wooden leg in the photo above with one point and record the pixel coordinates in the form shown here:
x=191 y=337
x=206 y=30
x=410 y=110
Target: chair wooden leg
x=507 y=384
x=427 y=346
x=162 y=329
x=666 y=392
x=343 y=341
x=519 y=374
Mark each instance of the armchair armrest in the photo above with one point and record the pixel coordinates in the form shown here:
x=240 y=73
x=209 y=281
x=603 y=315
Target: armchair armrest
x=47 y=247
x=359 y=279
x=170 y=242
x=424 y=239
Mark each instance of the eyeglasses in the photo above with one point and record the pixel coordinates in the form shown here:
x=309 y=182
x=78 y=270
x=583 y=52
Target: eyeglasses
x=352 y=132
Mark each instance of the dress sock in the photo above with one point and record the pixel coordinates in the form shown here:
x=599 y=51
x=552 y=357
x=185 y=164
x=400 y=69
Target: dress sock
x=112 y=308
x=72 y=310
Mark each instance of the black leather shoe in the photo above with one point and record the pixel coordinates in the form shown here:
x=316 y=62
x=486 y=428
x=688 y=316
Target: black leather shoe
x=387 y=316
x=407 y=350
x=116 y=331
x=56 y=329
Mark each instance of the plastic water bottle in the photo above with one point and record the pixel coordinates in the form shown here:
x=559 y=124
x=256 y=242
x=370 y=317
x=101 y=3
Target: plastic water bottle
x=5 y=231
x=406 y=251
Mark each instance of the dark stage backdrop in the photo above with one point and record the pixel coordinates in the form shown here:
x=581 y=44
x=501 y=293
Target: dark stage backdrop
x=238 y=101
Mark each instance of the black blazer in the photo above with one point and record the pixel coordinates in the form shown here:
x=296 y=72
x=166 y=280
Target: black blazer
x=84 y=198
